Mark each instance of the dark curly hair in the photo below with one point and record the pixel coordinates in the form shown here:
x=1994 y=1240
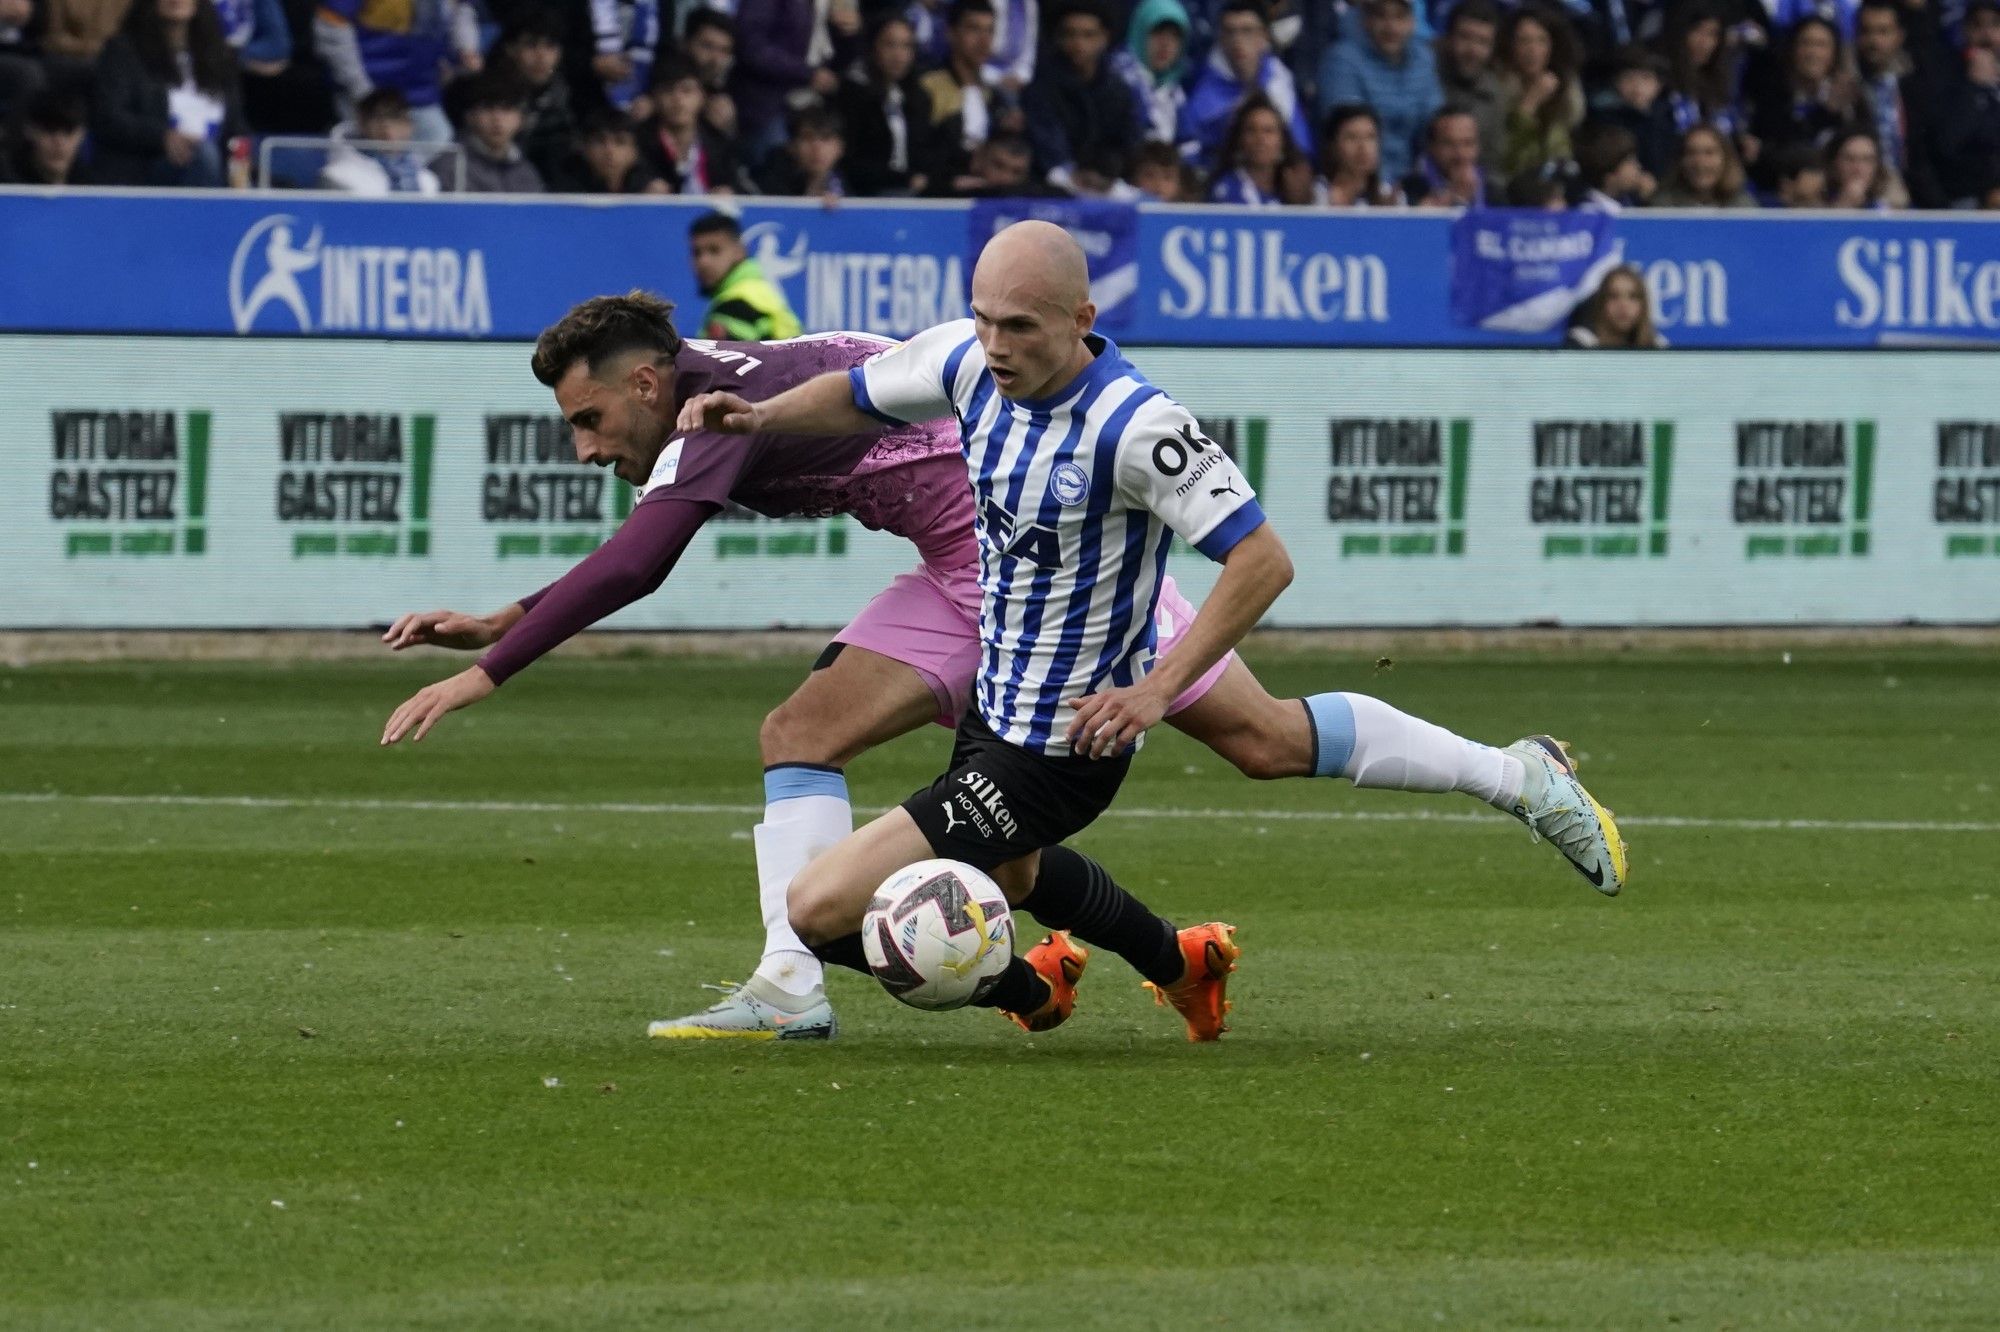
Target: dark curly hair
x=605 y=327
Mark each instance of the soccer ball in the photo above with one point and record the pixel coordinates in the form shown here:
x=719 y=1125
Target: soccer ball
x=938 y=934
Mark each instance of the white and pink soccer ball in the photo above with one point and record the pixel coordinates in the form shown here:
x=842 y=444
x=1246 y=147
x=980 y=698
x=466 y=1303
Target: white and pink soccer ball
x=938 y=934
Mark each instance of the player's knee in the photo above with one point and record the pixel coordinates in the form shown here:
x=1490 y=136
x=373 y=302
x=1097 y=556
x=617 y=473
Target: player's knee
x=1271 y=750
x=791 y=734
x=814 y=910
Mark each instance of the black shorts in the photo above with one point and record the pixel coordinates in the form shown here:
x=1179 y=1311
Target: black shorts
x=1000 y=802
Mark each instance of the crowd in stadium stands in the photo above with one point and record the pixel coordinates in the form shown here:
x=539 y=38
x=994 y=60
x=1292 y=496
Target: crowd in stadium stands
x=1872 y=104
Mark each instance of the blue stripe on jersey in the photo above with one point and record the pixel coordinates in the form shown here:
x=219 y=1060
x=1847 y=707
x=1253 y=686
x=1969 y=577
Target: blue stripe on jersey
x=1103 y=489
x=1116 y=649
x=1006 y=564
x=951 y=364
x=1126 y=672
x=993 y=444
x=867 y=404
x=1223 y=537
x=968 y=421
x=1048 y=514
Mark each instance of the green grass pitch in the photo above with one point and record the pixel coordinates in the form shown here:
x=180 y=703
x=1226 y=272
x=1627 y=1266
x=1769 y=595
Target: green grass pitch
x=342 y=1060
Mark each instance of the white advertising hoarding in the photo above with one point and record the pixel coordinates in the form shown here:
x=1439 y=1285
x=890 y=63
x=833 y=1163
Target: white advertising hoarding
x=186 y=483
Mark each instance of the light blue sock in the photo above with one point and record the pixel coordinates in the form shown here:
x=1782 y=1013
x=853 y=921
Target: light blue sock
x=1333 y=733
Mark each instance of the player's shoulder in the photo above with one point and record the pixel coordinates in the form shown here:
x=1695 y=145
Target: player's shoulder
x=1150 y=412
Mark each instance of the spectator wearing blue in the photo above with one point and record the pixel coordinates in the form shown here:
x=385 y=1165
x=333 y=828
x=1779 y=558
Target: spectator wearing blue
x=368 y=45
x=1241 y=64
x=929 y=21
x=1390 y=71
x=166 y=97
x=259 y=34
x=1153 y=63
x=1703 y=69
x=1259 y=165
x=1078 y=110
x=624 y=34
x=1841 y=14
x=1017 y=26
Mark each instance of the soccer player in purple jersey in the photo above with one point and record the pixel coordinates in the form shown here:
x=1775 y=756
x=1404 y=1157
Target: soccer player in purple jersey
x=621 y=374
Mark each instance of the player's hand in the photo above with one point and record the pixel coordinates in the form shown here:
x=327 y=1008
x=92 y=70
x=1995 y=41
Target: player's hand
x=441 y=628
x=423 y=708
x=1109 y=723
x=724 y=413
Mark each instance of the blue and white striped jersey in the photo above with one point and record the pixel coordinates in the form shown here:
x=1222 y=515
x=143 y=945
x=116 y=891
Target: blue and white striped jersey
x=1075 y=494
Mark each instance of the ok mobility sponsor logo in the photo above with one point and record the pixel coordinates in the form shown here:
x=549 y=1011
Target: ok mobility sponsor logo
x=1600 y=488
x=1804 y=488
x=893 y=293
x=355 y=483
x=1398 y=485
x=1966 y=504
x=284 y=279
x=129 y=482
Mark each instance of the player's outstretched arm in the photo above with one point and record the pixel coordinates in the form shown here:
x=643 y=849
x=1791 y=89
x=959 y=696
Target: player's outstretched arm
x=1254 y=571
x=823 y=405
x=451 y=629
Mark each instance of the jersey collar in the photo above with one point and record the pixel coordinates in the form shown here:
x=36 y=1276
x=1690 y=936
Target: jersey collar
x=1105 y=359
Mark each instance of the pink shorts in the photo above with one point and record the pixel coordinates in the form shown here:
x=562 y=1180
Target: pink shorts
x=928 y=619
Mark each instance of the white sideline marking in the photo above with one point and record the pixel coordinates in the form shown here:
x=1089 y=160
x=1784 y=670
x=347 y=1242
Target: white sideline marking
x=1129 y=812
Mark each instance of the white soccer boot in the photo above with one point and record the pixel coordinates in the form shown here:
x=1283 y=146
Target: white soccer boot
x=1555 y=807
x=754 y=1011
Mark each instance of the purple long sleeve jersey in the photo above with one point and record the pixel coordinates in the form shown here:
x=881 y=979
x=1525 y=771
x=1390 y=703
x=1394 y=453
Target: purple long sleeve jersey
x=908 y=481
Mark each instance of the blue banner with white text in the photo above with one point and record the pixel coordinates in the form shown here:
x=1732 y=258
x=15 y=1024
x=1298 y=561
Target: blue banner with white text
x=290 y=264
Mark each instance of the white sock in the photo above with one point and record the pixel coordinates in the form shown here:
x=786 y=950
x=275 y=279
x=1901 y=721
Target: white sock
x=1388 y=749
x=805 y=812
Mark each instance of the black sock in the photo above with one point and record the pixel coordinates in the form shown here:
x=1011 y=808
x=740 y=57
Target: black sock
x=1020 y=989
x=1075 y=893
x=844 y=952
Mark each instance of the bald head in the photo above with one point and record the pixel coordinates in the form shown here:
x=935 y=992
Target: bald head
x=1038 y=259
x=1031 y=308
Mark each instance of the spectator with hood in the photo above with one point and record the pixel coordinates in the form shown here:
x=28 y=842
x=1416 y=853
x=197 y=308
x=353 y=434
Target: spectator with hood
x=1153 y=63
x=167 y=97
x=1242 y=63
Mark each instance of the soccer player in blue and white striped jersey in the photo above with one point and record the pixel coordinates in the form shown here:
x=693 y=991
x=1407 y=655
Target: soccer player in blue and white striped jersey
x=1081 y=472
